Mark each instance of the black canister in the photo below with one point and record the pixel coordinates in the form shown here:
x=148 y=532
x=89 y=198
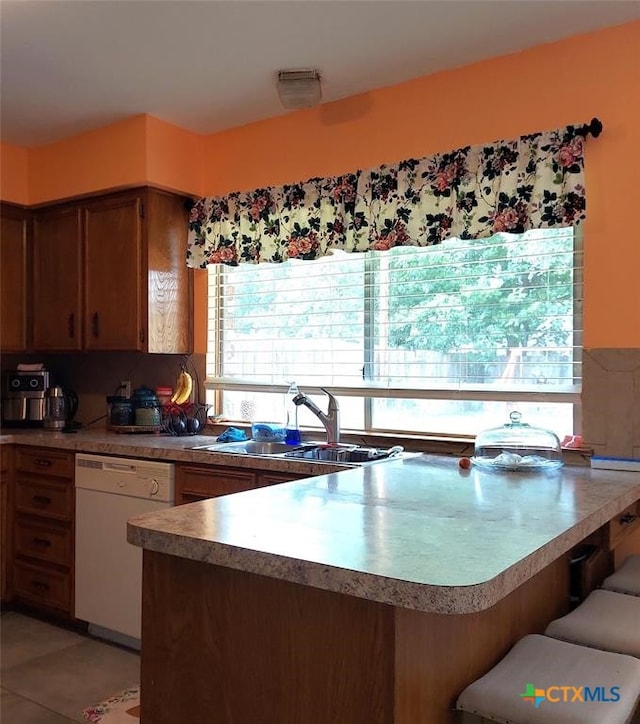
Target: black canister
x=120 y=411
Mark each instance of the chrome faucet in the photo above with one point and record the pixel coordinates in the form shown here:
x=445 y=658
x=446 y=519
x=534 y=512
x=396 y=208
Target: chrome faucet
x=330 y=420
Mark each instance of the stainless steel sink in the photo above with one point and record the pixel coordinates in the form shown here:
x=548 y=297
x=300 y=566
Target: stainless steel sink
x=348 y=454
x=249 y=447
x=338 y=455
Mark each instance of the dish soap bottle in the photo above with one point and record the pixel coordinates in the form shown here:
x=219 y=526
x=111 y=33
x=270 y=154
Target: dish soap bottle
x=292 y=434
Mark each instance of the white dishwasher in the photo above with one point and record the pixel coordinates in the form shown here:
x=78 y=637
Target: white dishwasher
x=108 y=585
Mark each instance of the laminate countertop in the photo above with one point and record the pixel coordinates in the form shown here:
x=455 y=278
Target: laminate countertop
x=418 y=533
x=163 y=447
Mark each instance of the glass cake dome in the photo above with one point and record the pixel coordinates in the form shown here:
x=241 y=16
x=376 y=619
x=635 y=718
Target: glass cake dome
x=517 y=446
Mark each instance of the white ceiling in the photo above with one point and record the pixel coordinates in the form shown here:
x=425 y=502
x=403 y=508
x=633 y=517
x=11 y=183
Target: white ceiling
x=72 y=65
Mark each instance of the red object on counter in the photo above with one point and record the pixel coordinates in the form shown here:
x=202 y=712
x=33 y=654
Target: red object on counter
x=164 y=394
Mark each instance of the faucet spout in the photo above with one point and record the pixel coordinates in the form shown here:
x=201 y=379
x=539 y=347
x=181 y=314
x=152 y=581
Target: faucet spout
x=330 y=420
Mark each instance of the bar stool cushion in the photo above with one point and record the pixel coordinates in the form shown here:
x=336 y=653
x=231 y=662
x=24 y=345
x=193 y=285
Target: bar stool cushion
x=604 y=620
x=536 y=667
x=626 y=579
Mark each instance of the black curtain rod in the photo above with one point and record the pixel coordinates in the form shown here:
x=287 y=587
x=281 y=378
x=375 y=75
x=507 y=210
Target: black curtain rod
x=594 y=128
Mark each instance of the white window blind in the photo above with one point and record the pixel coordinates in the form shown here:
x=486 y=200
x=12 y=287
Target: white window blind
x=490 y=320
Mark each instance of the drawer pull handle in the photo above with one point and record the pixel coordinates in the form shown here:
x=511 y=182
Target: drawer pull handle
x=42 y=463
x=40 y=586
x=42 y=542
x=42 y=499
x=627 y=518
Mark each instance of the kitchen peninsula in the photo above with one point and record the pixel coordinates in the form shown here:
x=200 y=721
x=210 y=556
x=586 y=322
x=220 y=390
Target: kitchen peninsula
x=370 y=595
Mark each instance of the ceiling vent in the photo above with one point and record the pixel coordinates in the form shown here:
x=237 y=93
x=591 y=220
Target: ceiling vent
x=299 y=88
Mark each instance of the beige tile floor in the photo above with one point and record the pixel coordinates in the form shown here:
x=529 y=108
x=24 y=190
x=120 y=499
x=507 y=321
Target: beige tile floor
x=48 y=675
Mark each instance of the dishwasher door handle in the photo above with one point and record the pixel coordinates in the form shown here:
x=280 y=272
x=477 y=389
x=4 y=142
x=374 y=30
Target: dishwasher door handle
x=120 y=468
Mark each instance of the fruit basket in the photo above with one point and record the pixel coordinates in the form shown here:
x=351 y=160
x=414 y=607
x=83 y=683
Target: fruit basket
x=180 y=415
x=188 y=418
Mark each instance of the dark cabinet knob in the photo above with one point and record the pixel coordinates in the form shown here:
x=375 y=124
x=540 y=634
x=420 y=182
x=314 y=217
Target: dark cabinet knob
x=40 y=586
x=42 y=499
x=627 y=518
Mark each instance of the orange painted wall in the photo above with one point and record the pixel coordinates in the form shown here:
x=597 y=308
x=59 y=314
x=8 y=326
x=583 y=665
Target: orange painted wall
x=565 y=82
x=14 y=174
x=99 y=159
x=138 y=150
x=173 y=157
x=548 y=86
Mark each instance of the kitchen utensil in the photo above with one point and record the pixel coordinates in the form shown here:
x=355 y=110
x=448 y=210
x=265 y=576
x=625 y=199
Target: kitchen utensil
x=23 y=403
x=55 y=409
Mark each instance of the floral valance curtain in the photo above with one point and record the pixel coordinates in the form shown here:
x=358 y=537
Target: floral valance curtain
x=535 y=181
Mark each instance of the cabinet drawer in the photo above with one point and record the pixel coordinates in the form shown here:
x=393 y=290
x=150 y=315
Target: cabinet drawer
x=624 y=524
x=42 y=461
x=50 y=498
x=46 y=541
x=196 y=483
x=273 y=478
x=40 y=585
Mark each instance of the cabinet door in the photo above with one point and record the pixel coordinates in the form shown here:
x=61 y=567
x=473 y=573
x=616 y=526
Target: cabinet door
x=13 y=278
x=195 y=482
x=6 y=521
x=115 y=284
x=170 y=291
x=57 y=280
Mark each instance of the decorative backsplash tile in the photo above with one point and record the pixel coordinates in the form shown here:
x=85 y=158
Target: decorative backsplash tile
x=611 y=401
x=610 y=396
x=94 y=375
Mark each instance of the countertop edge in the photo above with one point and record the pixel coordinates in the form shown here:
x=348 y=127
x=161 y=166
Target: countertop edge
x=395 y=592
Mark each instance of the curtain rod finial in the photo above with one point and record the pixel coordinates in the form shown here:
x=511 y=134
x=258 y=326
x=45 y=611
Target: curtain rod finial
x=595 y=127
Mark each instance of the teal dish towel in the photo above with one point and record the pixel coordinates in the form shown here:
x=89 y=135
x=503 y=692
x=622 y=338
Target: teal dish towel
x=232 y=434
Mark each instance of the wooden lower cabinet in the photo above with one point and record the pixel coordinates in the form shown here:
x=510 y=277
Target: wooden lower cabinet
x=199 y=482
x=6 y=521
x=43 y=529
x=250 y=648
x=274 y=477
x=623 y=534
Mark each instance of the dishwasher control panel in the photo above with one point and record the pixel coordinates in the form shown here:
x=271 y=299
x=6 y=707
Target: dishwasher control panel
x=126 y=476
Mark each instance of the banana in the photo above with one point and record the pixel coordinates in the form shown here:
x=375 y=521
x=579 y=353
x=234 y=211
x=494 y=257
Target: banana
x=178 y=389
x=184 y=387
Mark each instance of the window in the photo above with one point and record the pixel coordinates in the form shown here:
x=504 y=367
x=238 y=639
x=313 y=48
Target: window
x=439 y=340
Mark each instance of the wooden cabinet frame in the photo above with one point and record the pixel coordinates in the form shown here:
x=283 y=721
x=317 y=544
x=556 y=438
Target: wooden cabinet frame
x=15 y=310
x=198 y=482
x=109 y=273
x=43 y=529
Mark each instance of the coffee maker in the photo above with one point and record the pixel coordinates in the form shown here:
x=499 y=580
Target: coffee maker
x=23 y=403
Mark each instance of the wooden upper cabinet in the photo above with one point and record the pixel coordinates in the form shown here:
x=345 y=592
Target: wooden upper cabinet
x=114 y=310
x=57 y=280
x=120 y=281
x=170 y=282
x=14 y=254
